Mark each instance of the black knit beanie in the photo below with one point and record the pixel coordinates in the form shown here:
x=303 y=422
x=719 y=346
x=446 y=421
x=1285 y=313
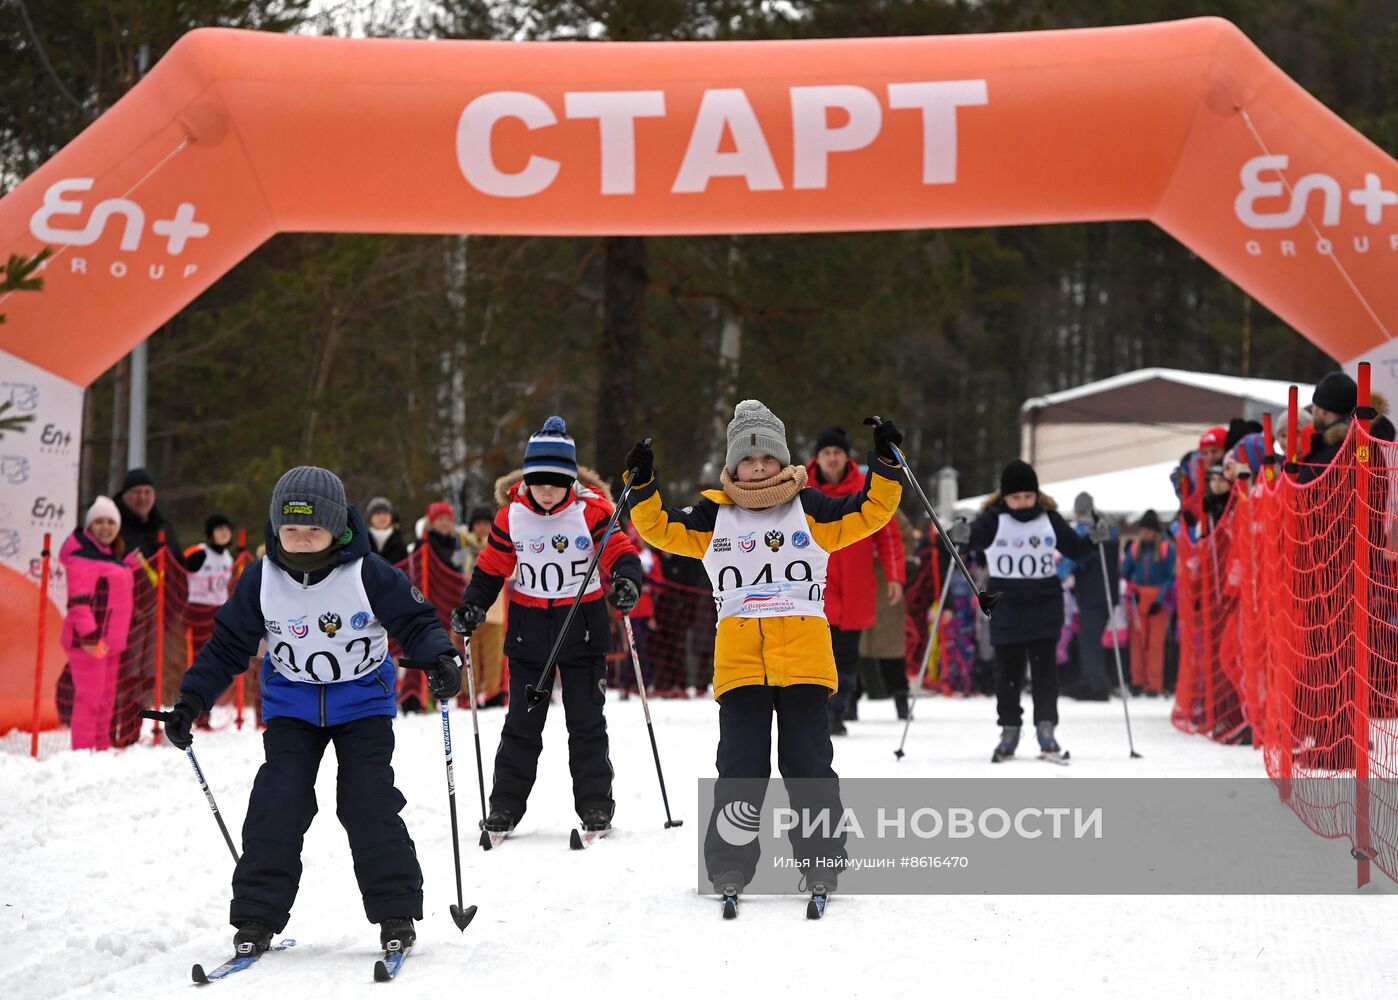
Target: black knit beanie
x=832 y=437
x=1336 y=393
x=1018 y=477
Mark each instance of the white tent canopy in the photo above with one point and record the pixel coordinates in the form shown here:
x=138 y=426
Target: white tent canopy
x=1124 y=493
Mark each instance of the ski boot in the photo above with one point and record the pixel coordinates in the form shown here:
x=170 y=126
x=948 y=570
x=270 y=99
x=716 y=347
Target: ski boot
x=397 y=934
x=596 y=824
x=496 y=827
x=728 y=885
x=253 y=938
x=1048 y=744
x=595 y=820
x=1005 y=749
x=820 y=890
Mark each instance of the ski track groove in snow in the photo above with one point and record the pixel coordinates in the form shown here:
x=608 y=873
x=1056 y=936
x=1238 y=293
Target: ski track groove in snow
x=114 y=882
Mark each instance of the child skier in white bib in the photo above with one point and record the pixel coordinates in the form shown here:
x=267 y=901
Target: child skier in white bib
x=765 y=539
x=326 y=607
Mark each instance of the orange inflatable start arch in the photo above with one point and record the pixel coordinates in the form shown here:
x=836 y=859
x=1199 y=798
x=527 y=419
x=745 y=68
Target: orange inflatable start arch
x=236 y=136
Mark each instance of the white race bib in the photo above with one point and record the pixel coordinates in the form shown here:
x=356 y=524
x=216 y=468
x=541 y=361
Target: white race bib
x=208 y=585
x=765 y=564
x=553 y=552
x=1023 y=550
x=324 y=633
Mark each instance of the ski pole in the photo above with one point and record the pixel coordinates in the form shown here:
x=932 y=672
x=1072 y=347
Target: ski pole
x=1116 y=647
x=986 y=600
x=926 y=659
x=650 y=728
x=475 y=723
x=198 y=773
x=461 y=914
x=537 y=693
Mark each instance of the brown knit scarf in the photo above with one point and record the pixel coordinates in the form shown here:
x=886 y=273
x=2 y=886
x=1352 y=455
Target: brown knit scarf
x=765 y=493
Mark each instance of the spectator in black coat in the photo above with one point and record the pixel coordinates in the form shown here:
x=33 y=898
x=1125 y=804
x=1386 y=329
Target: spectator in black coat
x=1332 y=409
x=384 y=537
x=141 y=520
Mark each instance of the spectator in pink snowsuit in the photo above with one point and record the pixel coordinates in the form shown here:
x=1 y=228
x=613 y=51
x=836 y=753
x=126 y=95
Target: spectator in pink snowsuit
x=98 y=619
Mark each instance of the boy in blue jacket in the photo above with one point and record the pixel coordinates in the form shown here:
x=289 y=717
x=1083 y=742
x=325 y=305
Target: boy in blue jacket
x=326 y=606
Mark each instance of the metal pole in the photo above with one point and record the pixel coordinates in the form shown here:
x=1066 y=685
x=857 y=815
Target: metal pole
x=926 y=659
x=136 y=414
x=1116 y=646
x=650 y=727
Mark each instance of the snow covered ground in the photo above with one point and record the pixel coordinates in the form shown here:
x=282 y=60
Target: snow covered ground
x=114 y=881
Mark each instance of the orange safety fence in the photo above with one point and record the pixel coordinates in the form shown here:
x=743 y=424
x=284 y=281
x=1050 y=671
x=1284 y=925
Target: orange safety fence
x=1288 y=613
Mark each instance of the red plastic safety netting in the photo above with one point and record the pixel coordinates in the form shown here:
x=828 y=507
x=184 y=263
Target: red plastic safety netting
x=1288 y=611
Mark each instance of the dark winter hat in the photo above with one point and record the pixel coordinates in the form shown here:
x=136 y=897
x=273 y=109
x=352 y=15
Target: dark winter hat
x=1018 y=477
x=1336 y=393
x=1238 y=428
x=1082 y=504
x=832 y=437
x=310 y=495
x=215 y=521
x=480 y=514
x=755 y=429
x=377 y=504
x=140 y=477
x=550 y=457
x=1150 y=519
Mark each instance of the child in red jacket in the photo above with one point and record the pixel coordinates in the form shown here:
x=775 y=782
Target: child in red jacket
x=548 y=528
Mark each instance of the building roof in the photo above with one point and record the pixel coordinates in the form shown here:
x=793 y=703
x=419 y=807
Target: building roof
x=1123 y=493
x=1270 y=392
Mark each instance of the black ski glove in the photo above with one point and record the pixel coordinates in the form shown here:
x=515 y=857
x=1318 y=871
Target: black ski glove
x=444 y=679
x=466 y=619
x=886 y=436
x=641 y=460
x=1154 y=608
x=624 y=594
x=180 y=725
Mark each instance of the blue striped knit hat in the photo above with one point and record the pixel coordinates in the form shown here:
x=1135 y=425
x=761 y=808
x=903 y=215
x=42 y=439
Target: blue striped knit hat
x=551 y=458
x=1250 y=450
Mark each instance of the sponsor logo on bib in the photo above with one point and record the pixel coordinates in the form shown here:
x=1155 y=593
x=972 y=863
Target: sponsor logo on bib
x=722 y=545
x=583 y=543
x=763 y=595
x=748 y=542
x=330 y=623
x=774 y=539
x=275 y=628
x=560 y=543
x=360 y=621
x=299 y=628
x=800 y=539
x=536 y=544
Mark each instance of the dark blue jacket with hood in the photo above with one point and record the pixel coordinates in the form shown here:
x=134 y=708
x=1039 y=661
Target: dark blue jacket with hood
x=240 y=625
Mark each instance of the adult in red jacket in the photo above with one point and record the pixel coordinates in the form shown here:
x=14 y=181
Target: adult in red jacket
x=850 y=588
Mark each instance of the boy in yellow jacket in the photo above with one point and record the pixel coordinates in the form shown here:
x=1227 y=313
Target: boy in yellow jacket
x=765 y=539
